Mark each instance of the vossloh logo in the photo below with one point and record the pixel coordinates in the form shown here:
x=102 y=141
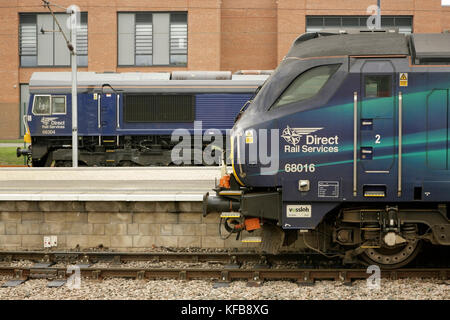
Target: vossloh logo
x=312 y=143
x=299 y=211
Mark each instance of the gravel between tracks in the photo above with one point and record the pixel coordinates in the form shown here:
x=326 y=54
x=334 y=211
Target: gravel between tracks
x=202 y=290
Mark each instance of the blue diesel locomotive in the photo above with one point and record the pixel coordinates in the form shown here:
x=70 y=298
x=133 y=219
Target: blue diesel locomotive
x=354 y=130
x=127 y=119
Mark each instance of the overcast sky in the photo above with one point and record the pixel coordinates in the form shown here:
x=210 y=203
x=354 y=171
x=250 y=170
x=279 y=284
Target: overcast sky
x=445 y=2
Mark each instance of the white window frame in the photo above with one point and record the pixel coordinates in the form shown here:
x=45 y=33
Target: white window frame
x=170 y=53
x=51 y=105
x=34 y=103
x=65 y=104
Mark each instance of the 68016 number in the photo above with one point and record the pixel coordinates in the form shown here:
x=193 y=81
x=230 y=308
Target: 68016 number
x=299 y=167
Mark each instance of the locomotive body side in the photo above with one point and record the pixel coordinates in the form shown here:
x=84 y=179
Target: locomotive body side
x=360 y=145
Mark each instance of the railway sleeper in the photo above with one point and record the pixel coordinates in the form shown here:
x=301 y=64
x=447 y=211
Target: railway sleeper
x=46 y=273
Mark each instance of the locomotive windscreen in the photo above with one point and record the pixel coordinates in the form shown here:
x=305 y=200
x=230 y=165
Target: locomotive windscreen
x=159 y=108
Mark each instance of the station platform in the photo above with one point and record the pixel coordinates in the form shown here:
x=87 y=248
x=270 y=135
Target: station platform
x=107 y=183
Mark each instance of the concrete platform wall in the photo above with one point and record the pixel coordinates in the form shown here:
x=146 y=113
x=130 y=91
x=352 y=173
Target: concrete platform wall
x=127 y=226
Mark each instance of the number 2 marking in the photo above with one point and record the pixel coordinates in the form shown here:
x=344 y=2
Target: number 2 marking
x=377 y=139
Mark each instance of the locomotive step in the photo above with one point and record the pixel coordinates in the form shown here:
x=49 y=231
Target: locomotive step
x=230 y=215
x=252 y=240
x=230 y=192
x=374 y=194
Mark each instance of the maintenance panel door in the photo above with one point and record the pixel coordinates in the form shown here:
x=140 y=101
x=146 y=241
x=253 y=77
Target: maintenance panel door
x=377 y=117
x=107 y=114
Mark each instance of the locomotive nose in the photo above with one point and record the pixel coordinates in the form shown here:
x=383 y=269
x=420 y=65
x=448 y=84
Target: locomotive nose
x=218 y=204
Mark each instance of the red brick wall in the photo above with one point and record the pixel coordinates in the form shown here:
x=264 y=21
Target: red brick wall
x=249 y=34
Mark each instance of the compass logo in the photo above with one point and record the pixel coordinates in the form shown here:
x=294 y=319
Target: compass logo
x=293 y=135
x=47 y=121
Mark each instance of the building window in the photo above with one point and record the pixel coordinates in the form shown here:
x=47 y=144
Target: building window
x=322 y=23
x=144 y=39
x=178 y=39
x=152 y=39
x=50 y=49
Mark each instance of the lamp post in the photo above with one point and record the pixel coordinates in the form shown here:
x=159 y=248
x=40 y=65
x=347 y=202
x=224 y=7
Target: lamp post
x=71 y=45
x=378 y=24
x=73 y=20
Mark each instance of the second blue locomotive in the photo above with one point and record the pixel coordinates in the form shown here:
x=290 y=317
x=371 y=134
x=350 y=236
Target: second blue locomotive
x=127 y=119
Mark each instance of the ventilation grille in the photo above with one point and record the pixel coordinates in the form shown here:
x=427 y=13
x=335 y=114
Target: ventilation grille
x=28 y=40
x=159 y=108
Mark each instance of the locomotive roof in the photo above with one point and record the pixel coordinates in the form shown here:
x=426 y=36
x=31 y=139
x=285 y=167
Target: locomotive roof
x=158 y=82
x=432 y=46
x=328 y=45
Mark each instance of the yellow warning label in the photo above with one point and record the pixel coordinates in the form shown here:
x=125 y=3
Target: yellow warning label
x=95 y=96
x=403 y=79
x=249 y=136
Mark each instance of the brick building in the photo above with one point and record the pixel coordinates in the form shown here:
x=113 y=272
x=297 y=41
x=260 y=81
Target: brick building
x=156 y=35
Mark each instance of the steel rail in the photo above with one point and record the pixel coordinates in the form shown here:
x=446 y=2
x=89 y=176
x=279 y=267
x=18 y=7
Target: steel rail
x=302 y=276
x=120 y=257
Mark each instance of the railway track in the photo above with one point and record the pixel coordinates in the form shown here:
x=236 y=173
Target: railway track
x=230 y=258
x=426 y=259
x=227 y=267
x=254 y=276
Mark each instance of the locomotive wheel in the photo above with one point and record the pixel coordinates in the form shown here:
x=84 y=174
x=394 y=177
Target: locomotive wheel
x=392 y=258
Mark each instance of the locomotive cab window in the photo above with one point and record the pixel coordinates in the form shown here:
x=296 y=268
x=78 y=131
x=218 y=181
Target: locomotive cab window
x=41 y=105
x=47 y=105
x=377 y=86
x=59 y=105
x=306 y=85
